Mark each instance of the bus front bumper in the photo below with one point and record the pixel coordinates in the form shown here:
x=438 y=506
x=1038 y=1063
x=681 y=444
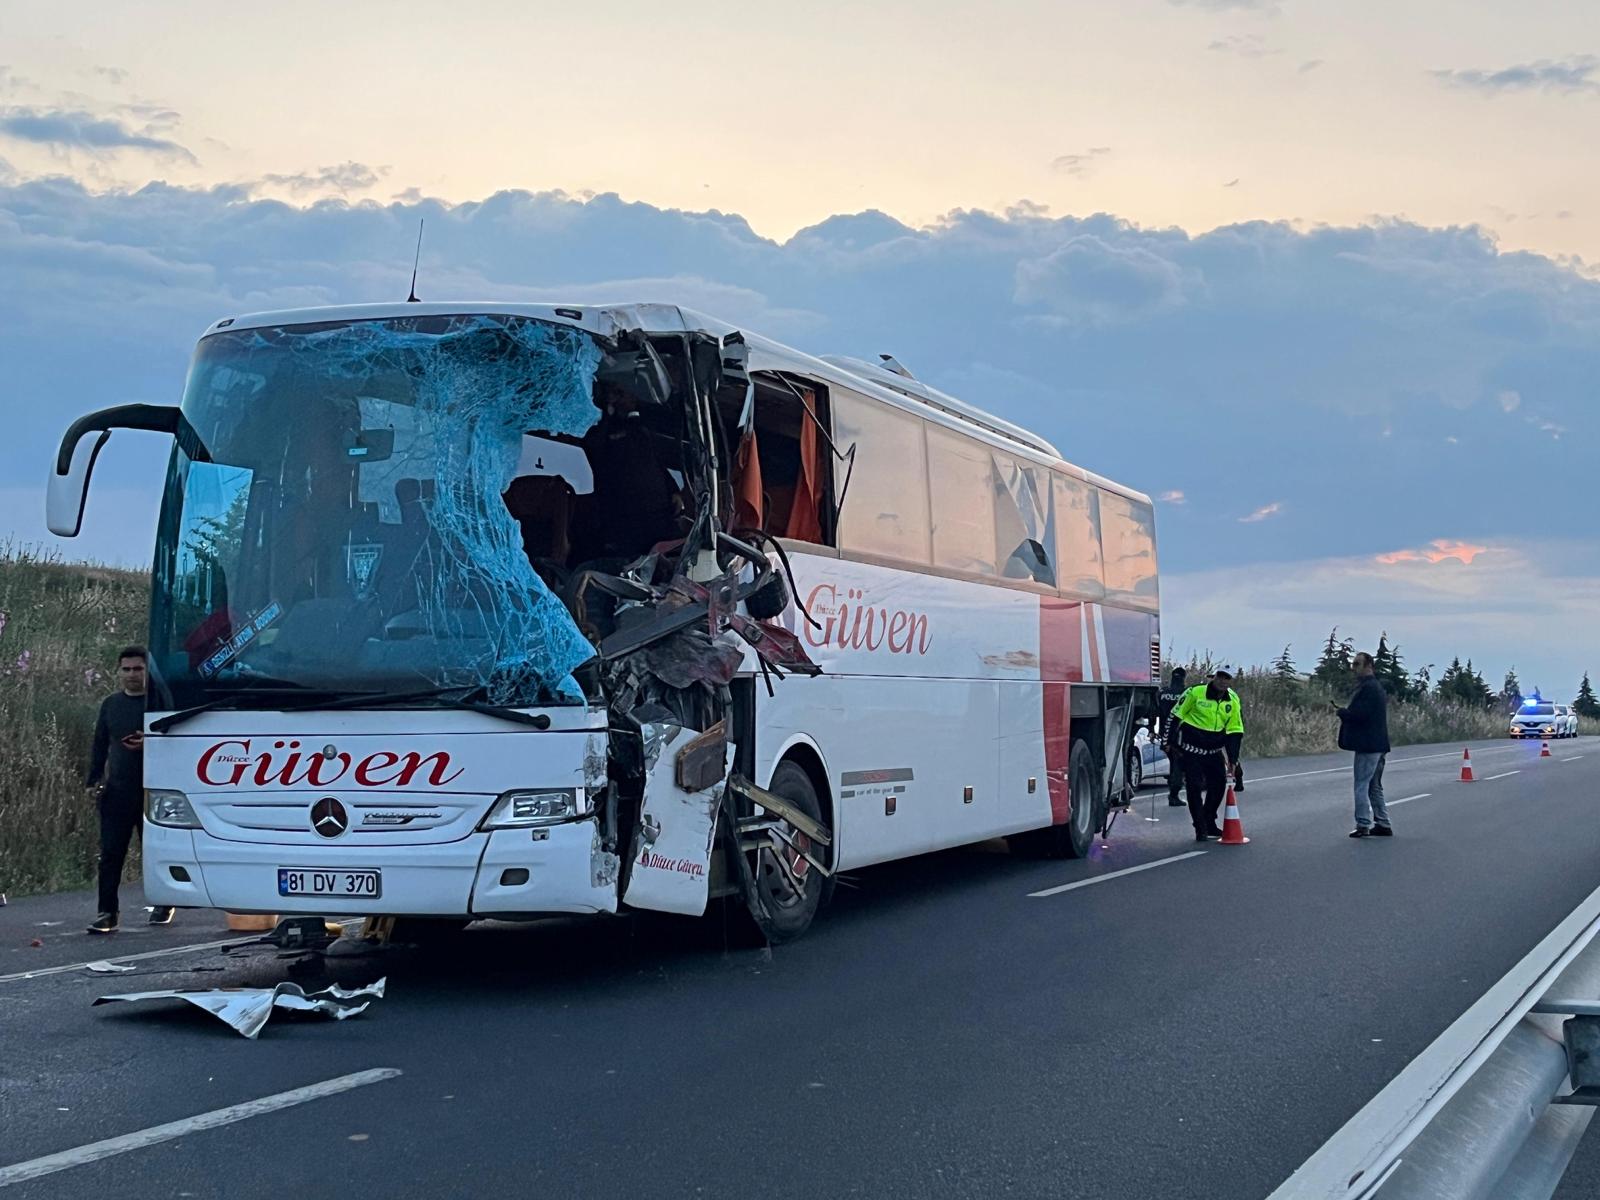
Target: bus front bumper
x=506 y=872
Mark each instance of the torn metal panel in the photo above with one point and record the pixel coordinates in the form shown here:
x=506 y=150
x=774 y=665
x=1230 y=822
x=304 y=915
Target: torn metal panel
x=247 y=1009
x=670 y=869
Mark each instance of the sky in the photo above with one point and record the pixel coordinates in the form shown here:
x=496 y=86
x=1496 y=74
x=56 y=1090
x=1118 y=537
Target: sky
x=1319 y=276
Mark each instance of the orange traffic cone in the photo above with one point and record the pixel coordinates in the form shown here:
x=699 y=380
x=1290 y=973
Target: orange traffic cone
x=1466 y=766
x=1232 y=826
x=1544 y=749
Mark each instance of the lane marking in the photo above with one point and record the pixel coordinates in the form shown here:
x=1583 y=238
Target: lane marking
x=1503 y=775
x=1160 y=862
x=34 y=1168
x=1365 y=1148
x=1393 y=762
x=1408 y=799
x=1574 y=758
x=43 y=971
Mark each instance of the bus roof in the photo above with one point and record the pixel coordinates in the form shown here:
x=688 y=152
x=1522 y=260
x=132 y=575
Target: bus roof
x=607 y=320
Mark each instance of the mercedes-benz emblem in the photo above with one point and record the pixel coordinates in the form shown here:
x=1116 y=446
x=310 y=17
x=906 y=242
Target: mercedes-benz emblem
x=329 y=818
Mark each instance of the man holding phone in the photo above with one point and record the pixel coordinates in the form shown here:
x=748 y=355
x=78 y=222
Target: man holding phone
x=116 y=769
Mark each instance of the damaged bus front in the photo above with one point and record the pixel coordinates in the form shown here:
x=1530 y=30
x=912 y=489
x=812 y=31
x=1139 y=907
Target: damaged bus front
x=446 y=622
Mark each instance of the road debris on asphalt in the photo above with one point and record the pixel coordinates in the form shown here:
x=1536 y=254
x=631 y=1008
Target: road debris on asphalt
x=247 y=1009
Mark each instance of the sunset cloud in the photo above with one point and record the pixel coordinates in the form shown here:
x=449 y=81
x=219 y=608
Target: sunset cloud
x=1437 y=551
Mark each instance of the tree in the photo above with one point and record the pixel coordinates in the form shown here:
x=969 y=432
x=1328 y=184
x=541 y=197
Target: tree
x=1390 y=669
x=1283 y=668
x=1511 y=692
x=1586 y=705
x=1334 y=668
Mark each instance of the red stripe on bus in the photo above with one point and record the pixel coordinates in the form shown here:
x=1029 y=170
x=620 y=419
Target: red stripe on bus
x=1060 y=665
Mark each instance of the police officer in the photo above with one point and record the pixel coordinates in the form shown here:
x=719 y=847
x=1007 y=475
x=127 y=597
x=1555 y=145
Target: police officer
x=1168 y=700
x=1208 y=719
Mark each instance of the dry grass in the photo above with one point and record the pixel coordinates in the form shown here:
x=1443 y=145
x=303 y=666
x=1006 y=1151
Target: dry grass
x=61 y=626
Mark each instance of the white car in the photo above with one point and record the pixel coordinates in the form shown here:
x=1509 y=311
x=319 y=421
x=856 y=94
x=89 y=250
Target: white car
x=1541 y=719
x=1146 y=761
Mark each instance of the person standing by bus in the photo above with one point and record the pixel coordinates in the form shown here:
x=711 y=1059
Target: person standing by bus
x=1168 y=700
x=116 y=771
x=1208 y=718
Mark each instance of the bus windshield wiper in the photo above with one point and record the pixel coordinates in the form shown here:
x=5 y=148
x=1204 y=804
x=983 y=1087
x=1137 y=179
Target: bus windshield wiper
x=440 y=694
x=234 y=695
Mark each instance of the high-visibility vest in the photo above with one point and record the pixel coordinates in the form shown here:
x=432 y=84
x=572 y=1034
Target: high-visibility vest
x=1213 y=716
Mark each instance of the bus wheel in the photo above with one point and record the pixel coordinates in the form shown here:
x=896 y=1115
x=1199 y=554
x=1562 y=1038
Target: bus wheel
x=786 y=890
x=1073 y=839
x=1135 y=772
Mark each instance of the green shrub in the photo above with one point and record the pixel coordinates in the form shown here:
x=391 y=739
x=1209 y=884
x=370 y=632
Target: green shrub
x=61 y=626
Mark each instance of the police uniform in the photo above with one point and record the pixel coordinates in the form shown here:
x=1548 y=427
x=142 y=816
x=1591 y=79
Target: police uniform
x=1167 y=701
x=1206 y=726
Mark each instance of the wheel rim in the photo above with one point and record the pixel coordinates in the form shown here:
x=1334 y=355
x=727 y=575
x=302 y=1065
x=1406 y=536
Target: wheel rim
x=1136 y=771
x=783 y=873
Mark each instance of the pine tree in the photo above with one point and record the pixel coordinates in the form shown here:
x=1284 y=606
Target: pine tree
x=1511 y=692
x=1334 y=668
x=1390 y=669
x=1586 y=705
x=1283 y=669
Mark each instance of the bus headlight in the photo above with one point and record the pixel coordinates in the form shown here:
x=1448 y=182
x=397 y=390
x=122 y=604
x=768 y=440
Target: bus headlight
x=543 y=806
x=169 y=808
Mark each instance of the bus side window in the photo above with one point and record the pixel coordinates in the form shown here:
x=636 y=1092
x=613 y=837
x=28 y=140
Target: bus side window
x=1128 y=535
x=1078 y=539
x=884 y=511
x=1024 y=520
x=963 y=503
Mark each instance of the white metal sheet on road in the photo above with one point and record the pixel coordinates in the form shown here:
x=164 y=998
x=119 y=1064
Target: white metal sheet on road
x=95 y=1151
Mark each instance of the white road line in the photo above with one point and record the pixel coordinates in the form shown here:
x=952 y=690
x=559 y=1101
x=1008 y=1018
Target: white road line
x=1503 y=775
x=1409 y=799
x=1160 y=862
x=1393 y=762
x=43 y=971
x=95 y=1151
x=1574 y=758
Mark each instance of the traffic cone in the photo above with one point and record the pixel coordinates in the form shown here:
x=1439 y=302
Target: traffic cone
x=1232 y=826
x=1544 y=749
x=1466 y=766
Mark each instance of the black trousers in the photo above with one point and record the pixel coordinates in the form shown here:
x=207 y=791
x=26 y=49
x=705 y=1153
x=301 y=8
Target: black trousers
x=121 y=816
x=1204 y=772
x=1174 y=772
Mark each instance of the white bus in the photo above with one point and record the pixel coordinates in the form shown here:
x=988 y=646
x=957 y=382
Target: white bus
x=467 y=611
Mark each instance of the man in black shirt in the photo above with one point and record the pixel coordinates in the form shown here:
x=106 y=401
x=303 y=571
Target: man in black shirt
x=116 y=767
x=1169 y=729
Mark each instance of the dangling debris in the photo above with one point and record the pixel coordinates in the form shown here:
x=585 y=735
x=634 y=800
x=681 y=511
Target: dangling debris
x=247 y=1009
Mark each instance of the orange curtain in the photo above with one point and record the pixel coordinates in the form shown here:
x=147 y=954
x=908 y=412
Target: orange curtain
x=805 y=521
x=747 y=490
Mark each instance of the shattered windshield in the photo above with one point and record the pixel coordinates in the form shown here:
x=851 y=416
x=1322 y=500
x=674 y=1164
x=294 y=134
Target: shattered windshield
x=341 y=524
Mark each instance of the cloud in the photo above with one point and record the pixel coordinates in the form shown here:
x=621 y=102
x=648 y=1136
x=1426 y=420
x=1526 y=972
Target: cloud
x=1173 y=497
x=76 y=130
x=343 y=178
x=1255 y=356
x=1261 y=6
x=1091 y=280
x=1246 y=45
x=1509 y=401
x=1499 y=612
x=1081 y=164
x=412 y=195
x=116 y=76
x=1437 y=551
x=1310 y=65
x=1573 y=74
x=1262 y=513
x=1231 y=183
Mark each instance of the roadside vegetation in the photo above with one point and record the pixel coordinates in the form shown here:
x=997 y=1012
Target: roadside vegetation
x=61 y=625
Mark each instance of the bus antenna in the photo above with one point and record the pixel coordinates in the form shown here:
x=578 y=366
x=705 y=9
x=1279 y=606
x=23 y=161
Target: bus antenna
x=412 y=298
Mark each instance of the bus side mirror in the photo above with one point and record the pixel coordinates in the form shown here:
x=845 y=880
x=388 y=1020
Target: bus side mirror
x=66 y=494
x=69 y=482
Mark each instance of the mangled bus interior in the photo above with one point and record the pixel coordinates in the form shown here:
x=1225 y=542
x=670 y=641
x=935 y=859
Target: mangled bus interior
x=451 y=502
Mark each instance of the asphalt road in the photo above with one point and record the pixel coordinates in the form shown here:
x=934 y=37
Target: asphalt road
x=1194 y=1029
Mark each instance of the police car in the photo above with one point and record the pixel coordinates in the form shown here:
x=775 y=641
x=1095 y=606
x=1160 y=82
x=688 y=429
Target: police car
x=1542 y=719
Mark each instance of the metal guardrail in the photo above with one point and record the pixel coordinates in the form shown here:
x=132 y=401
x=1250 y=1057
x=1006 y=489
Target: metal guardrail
x=1496 y=1106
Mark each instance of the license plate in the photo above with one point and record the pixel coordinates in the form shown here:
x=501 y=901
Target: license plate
x=321 y=881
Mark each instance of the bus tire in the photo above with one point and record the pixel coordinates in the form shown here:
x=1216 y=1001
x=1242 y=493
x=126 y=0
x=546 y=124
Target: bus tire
x=777 y=911
x=1073 y=839
x=769 y=600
